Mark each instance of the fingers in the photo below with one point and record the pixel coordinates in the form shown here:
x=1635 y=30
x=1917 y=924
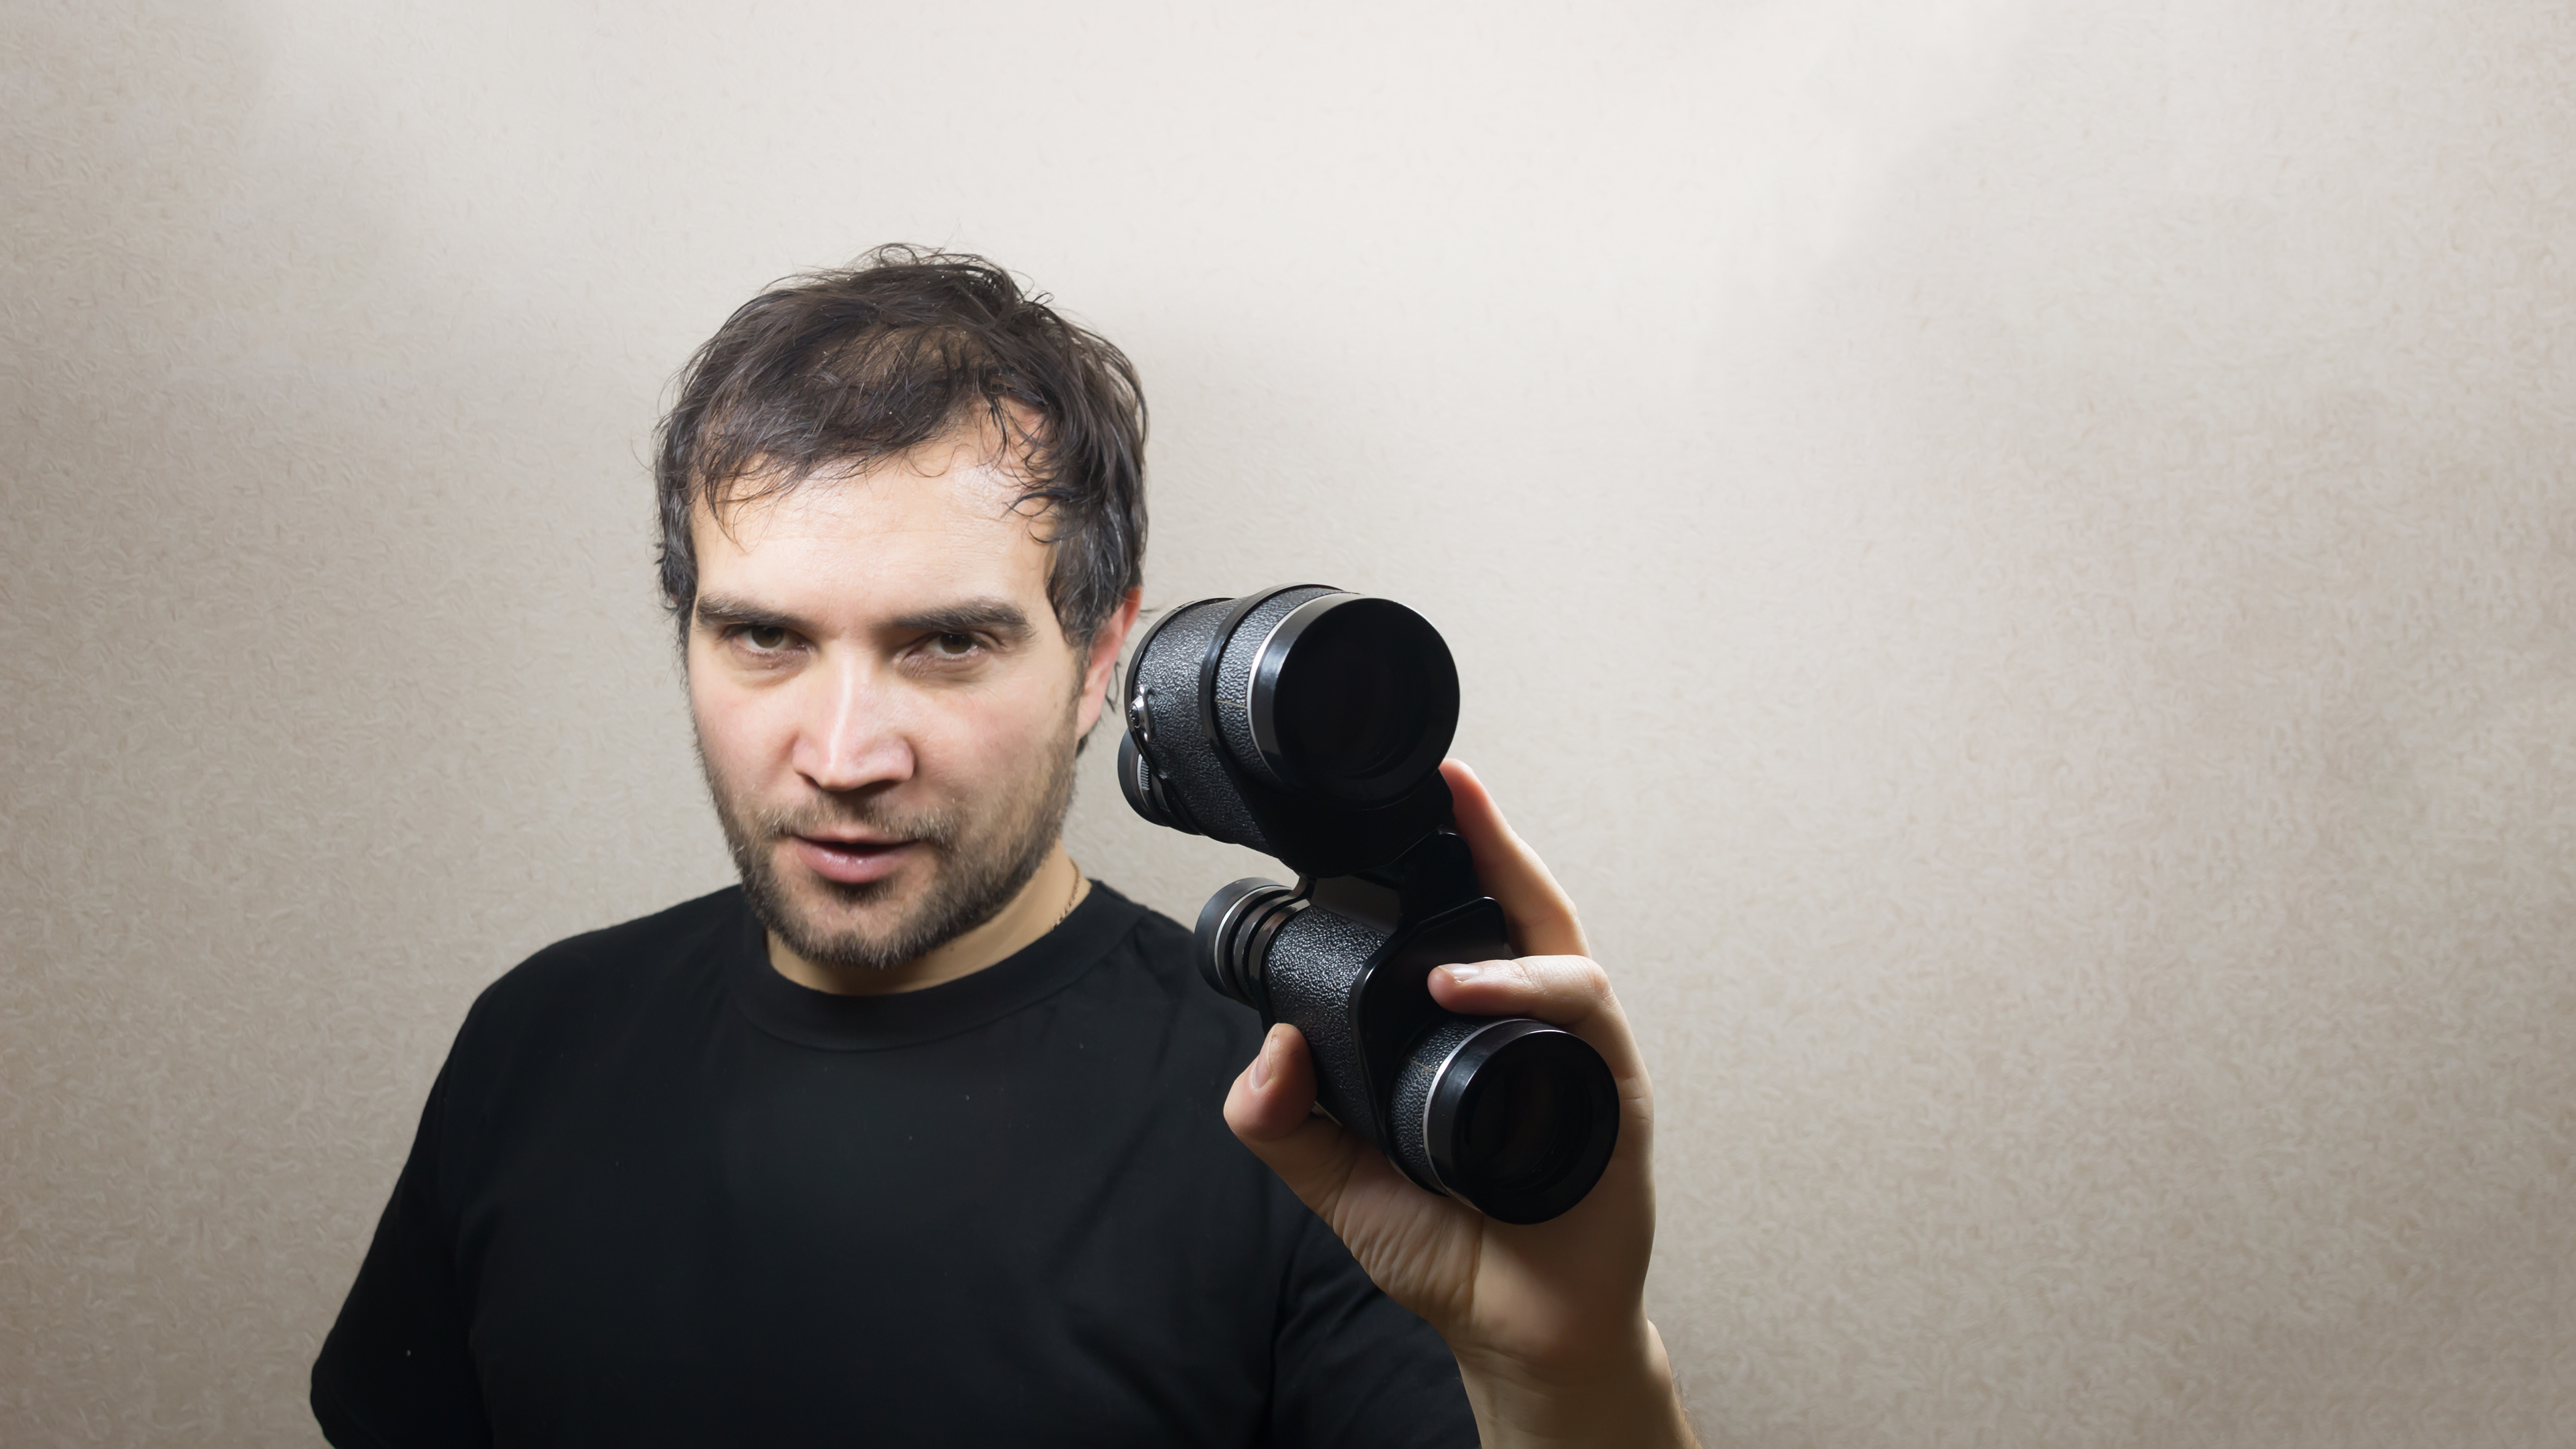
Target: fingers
x=1555 y=981
x=1537 y=908
x=1271 y=1112
x=1568 y=991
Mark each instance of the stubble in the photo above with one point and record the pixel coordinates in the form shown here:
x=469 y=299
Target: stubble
x=979 y=860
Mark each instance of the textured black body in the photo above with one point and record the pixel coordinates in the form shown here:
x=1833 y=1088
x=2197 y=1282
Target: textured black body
x=1162 y=695
x=1313 y=963
x=1410 y=1098
x=1234 y=672
x=1357 y=984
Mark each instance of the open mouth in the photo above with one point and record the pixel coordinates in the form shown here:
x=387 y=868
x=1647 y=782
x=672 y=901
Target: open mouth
x=852 y=862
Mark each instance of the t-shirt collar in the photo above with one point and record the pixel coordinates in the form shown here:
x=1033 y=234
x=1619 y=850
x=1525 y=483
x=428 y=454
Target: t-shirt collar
x=829 y=1022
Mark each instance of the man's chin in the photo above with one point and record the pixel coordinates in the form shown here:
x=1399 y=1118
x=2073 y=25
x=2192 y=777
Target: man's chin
x=823 y=906
x=829 y=929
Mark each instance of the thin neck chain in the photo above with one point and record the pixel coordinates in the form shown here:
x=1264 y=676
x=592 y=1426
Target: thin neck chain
x=1070 y=897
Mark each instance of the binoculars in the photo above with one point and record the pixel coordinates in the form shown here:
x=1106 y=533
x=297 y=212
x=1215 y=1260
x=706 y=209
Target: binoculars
x=1309 y=724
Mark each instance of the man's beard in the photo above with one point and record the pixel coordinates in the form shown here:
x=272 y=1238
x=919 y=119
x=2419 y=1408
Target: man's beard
x=976 y=867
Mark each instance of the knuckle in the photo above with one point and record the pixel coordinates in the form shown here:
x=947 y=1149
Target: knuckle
x=1580 y=977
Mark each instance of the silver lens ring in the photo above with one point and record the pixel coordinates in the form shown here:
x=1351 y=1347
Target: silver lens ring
x=1252 y=949
x=1264 y=676
x=1439 y=1076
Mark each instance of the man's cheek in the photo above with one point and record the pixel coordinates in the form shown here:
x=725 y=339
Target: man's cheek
x=960 y=747
x=742 y=736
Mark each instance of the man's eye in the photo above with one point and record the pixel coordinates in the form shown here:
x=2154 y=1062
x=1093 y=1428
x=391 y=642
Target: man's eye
x=954 y=646
x=765 y=638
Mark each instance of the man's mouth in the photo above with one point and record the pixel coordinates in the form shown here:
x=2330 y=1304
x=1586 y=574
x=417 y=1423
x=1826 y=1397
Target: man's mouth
x=851 y=862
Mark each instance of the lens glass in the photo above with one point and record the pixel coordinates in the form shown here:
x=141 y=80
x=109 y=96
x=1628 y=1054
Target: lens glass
x=1521 y=1125
x=1350 y=701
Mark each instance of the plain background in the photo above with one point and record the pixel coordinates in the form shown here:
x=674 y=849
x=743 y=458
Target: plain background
x=2016 y=558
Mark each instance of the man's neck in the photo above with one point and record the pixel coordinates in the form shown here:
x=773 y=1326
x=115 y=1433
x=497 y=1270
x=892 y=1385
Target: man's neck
x=1048 y=898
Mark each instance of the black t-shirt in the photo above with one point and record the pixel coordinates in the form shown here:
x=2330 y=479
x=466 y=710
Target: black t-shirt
x=663 y=1195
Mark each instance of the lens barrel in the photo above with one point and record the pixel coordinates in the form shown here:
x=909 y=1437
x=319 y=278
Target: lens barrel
x=1510 y=1115
x=1305 y=722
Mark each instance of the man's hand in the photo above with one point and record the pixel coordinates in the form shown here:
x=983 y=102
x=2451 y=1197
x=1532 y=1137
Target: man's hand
x=1547 y=1320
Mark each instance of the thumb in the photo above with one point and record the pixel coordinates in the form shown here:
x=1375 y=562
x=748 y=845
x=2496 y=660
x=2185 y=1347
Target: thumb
x=1271 y=1111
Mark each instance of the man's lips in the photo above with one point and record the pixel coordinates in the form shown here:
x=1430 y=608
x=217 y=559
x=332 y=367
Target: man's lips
x=851 y=862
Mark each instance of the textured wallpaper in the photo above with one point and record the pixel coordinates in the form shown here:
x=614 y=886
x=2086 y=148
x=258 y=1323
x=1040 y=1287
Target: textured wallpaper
x=2018 y=559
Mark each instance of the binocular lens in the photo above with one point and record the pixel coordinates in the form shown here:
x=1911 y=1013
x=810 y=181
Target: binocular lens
x=1309 y=723
x=1356 y=697
x=1344 y=705
x=1514 y=1128
x=1521 y=1118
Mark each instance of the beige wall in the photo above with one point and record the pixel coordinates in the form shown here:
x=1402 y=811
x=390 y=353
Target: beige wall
x=2016 y=557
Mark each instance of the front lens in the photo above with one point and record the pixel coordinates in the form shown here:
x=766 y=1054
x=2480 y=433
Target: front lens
x=1520 y=1127
x=1521 y=1120
x=1344 y=712
x=1355 y=697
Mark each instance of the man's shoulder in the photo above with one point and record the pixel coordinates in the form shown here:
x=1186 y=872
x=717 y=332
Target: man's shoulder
x=690 y=939
x=1157 y=956
x=1153 y=940
x=1138 y=936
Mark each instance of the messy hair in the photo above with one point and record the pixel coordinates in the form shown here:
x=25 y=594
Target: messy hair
x=839 y=369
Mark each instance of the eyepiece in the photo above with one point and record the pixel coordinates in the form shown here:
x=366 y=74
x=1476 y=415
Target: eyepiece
x=1232 y=942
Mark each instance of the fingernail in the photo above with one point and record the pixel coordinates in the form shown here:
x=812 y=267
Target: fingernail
x=1464 y=972
x=1261 y=1060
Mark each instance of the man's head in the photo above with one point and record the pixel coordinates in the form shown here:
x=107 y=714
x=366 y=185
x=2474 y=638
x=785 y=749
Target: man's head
x=903 y=521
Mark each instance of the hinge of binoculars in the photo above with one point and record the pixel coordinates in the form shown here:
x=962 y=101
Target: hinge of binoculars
x=1432 y=911
x=1436 y=875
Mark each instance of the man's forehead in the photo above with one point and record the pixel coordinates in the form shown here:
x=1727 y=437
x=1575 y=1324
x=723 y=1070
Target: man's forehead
x=877 y=549
x=967 y=508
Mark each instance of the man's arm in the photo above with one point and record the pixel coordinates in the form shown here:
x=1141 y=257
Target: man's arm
x=1547 y=1320
x=395 y=1372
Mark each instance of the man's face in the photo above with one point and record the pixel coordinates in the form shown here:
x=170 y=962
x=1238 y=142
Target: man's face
x=886 y=706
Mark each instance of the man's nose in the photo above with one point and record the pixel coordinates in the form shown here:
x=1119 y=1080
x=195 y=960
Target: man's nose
x=852 y=735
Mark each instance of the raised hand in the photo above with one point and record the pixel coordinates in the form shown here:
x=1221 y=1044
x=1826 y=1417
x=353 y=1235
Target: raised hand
x=1547 y=1320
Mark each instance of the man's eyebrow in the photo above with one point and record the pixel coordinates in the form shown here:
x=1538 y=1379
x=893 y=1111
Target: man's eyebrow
x=1003 y=620
x=717 y=611
x=1000 y=618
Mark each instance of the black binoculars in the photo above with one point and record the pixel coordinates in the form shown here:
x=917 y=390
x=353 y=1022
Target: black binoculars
x=1309 y=724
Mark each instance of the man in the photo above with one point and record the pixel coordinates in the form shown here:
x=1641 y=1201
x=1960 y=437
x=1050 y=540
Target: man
x=914 y=1137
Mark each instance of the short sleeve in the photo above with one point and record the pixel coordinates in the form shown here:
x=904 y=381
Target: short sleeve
x=1353 y=1367
x=395 y=1372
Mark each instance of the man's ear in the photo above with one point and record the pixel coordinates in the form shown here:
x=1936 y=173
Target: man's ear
x=1106 y=642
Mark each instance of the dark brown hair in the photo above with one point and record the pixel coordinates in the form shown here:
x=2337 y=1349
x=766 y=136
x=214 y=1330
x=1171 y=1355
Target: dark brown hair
x=843 y=368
